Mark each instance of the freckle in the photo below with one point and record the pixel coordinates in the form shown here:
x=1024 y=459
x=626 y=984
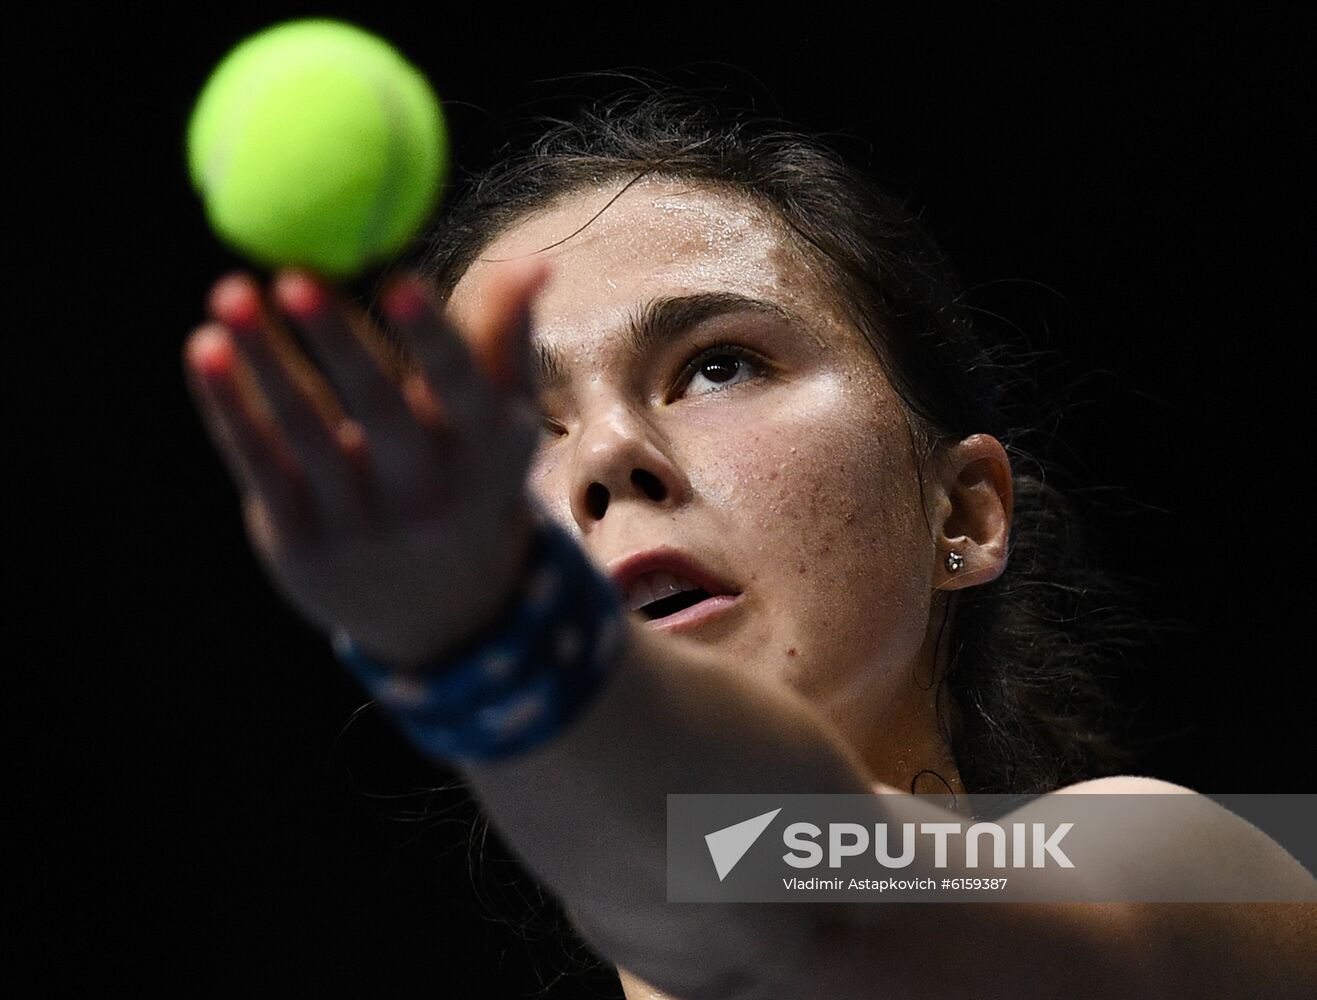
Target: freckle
x=802 y=569
x=791 y=651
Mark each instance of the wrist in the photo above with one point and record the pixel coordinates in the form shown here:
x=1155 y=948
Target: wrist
x=524 y=677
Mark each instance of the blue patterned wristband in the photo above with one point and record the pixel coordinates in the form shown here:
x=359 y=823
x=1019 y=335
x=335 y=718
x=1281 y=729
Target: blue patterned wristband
x=525 y=678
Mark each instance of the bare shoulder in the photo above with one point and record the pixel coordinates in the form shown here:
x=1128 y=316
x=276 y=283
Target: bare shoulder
x=1125 y=784
x=1210 y=828
x=1194 y=837
x=1261 y=949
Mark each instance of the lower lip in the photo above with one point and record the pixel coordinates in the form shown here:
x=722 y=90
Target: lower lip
x=696 y=614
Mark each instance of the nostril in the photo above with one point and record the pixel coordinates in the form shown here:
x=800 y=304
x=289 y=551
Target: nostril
x=596 y=500
x=597 y=497
x=649 y=483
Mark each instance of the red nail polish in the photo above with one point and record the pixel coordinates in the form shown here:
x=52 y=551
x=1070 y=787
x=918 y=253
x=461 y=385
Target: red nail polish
x=236 y=303
x=406 y=302
x=299 y=294
x=211 y=353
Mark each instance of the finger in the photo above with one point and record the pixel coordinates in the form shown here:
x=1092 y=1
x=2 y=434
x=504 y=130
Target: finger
x=249 y=446
x=288 y=380
x=450 y=386
x=350 y=350
x=499 y=335
x=308 y=418
x=342 y=341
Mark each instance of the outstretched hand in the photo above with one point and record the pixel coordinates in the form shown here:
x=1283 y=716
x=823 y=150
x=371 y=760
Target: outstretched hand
x=383 y=494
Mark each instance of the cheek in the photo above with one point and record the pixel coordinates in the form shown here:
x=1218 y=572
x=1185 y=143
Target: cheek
x=823 y=494
x=826 y=461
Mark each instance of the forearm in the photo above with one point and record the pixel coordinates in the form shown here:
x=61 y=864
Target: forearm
x=587 y=811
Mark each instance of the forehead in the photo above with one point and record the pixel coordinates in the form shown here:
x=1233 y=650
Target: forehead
x=614 y=247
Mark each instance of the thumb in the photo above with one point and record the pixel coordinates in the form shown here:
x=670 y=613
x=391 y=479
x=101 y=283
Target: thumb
x=501 y=337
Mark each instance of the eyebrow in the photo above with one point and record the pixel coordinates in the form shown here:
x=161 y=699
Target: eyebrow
x=661 y=320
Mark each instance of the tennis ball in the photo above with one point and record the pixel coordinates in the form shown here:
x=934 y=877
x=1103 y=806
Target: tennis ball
x=315 y=144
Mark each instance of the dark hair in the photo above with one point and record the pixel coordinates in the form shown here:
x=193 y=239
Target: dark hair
x=1027 y=652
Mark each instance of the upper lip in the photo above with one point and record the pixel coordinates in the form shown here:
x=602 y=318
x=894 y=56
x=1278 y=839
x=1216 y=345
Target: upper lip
x=624 y=570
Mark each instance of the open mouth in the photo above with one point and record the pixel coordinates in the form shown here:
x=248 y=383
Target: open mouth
x=672 y=592
x=670 y=605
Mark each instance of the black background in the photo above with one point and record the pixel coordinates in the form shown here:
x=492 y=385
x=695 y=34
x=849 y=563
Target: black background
x=1128 y=190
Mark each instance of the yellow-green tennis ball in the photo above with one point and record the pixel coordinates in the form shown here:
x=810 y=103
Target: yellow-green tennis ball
x=315 y=144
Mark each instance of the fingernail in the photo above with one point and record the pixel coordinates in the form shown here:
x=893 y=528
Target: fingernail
x=236 y=302
x=299 y=294
x=209 y=352
x=406 y=301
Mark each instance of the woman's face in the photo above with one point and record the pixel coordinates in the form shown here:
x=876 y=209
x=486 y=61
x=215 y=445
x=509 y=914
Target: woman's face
x=709 y=395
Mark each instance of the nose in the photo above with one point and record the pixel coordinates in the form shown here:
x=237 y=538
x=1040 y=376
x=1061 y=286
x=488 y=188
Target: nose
x=621 y=458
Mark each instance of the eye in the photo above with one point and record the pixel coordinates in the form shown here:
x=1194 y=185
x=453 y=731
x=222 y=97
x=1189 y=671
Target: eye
x=721 y=366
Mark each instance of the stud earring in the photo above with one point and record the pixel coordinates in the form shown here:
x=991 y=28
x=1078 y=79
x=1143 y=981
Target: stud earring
x=954 y=561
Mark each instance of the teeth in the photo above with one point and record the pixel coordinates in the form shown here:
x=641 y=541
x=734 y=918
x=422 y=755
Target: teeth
x=655 y=586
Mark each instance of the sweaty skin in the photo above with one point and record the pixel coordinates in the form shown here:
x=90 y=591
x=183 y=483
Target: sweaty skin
x=796 y=480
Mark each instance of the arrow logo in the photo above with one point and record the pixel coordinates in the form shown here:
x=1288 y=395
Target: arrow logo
x=728 y=845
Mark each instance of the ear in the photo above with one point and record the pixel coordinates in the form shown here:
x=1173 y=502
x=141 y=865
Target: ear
x=972 y=512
